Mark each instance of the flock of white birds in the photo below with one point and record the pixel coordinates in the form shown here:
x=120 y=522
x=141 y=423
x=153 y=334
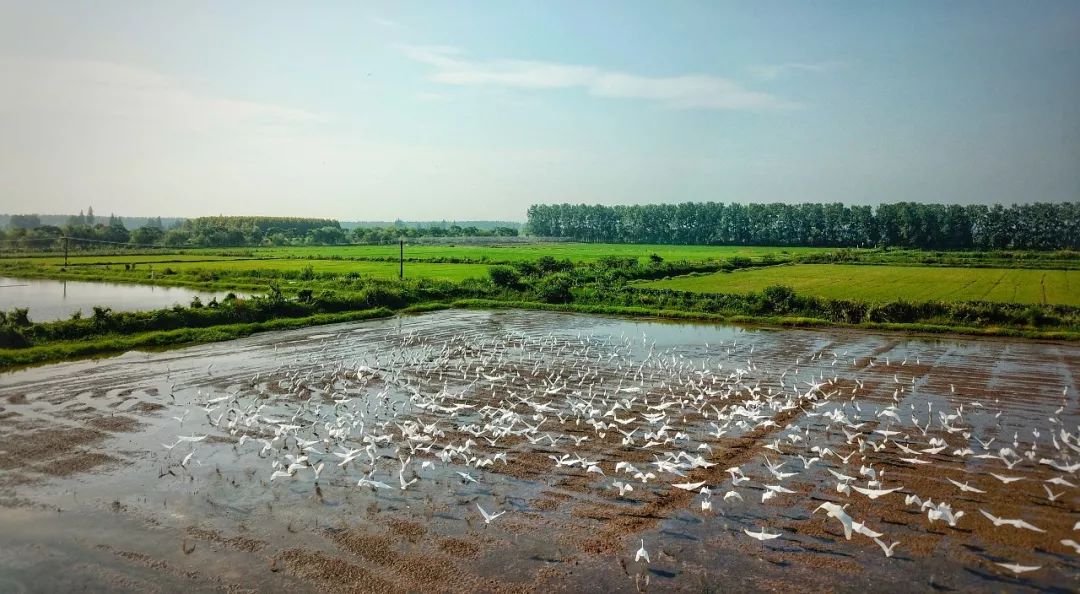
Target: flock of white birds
x=641 y=422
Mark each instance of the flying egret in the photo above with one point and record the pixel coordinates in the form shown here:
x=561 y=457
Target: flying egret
x=1017 y=569
x=488 y=517
x=888 y=549
x=642 y=553
x=761 y=535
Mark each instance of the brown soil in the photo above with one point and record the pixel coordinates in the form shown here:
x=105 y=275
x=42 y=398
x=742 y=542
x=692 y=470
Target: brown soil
x=239 y=543
x=45 y=444
x=146 y=407
x=459 y=547
x=333 y=573
x=115 y=424
x=78 y=462
x=413 y=531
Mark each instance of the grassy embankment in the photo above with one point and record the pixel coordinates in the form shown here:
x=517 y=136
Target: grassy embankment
x=307 y=290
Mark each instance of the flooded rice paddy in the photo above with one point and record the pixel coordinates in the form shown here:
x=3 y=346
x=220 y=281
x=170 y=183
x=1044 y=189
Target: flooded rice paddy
x=524 y=451
x=51 y=300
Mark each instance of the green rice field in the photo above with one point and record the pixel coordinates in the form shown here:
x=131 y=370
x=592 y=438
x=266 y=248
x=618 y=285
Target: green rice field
x=578 y=252
x=889 y=283
x=444 y=271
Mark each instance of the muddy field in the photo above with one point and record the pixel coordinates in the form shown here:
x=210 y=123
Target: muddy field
x=235 y=466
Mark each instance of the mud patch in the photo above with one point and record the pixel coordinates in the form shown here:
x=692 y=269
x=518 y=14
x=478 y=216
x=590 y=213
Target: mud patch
x=459 y=547
x=115 y=424
x=239 y=543
x=413 y=531
x=46 y=444
x=146 y=407
x=334 y=574
x=75 y=463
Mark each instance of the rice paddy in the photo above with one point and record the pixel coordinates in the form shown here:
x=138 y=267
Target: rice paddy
x=495 y=253
x=889 y=283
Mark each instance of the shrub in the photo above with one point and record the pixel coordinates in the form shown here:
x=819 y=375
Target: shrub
x=616 y=262
x=12 y=337
x=378 y=295
x=548 y=264
x=505 y=276
x=778 y=298
x=555 y=288
x=20 y=316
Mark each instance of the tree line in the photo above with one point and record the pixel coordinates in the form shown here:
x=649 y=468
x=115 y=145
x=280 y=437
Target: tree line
x=26 y=232
x=281 y=231
x=903 y=224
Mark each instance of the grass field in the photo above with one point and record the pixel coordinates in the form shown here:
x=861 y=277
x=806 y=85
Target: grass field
x=443 y=271
x=888 y=283
x=578 y=252
x=897 y=274
x=454 y=272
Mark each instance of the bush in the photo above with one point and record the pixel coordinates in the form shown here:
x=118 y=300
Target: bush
x=779 y=299
x=382 y=296
x=616 y=262
x=19 y=317
x=505 y=276
x=555 y=288
x=548 y=264
x=898 y=311
x=12 y=337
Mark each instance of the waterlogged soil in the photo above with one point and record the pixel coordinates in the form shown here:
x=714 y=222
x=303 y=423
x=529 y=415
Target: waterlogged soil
x=97 y=493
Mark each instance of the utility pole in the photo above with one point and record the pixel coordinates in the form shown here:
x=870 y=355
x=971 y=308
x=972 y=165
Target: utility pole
x=401 y=259
x=65 y=251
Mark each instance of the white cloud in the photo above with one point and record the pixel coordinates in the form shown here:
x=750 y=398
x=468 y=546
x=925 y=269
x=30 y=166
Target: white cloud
x=386 y=23
x=775 y=71
x=698 y=91
x=129 y=138
x=89 y=89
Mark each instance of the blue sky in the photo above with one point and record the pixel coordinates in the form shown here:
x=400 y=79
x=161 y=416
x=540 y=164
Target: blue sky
x=474 y=110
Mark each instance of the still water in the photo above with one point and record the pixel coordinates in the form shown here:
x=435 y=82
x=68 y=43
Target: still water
x=50 y=300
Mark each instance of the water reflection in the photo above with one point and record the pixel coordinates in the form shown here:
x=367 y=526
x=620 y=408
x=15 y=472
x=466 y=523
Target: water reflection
x=50 y=300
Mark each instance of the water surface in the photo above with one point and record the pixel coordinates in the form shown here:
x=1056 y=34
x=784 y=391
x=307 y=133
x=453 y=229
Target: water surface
x=90 y=496
x=51 y=300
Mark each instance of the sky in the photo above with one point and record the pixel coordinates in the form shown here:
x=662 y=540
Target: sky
x=475 y=110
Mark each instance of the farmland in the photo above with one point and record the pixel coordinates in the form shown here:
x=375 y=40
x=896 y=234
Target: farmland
x=889 y=283
x=376 y=269
x=435 y=262
x=577 y=252
x=492 y=253
x=1012 y=293
x=137 y=454
x=458 y=262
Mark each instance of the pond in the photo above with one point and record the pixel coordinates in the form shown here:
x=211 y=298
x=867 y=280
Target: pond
x=51 y=300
